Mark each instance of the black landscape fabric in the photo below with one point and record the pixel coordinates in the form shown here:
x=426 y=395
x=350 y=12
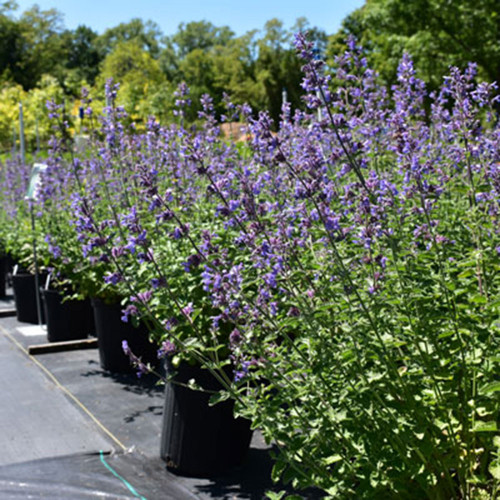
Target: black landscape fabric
x=89 y=476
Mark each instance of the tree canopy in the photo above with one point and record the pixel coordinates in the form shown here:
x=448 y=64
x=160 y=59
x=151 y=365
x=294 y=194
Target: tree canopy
x=437 y=33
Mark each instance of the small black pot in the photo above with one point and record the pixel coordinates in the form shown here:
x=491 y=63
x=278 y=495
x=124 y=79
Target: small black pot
x=68 y=320
x=198 y=439
x=111 y=331
x=10 y=263
x=3 y=276
x=24 y=289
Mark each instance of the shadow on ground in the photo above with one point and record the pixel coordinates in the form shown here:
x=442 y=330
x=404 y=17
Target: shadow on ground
x=145 y=385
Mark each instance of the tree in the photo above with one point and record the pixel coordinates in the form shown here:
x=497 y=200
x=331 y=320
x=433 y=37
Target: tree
x=192 y=55
x=42 y=51
x=138 y=74
x=35 y=112
x=437 y=33
x=199 y=35
x=31 y=45
x=83 y=56
x=10 y=46
x=146 y=35
x=278 y=67
x=234 y=71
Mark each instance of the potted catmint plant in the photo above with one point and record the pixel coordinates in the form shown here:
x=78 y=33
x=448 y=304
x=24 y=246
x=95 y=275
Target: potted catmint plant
x=67 y=291
x=84 y=263
x=138 y=224
x=19 y=236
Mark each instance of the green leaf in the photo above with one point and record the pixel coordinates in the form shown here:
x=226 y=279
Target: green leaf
x=271 y=495
x=494 y=469
x=288 y=476
x=176 y=361
x=332 y=459
x=490 y=426
x=445 y=334
x=491 y=387
x=217 y=398
x=478 y=299
x=277 y=471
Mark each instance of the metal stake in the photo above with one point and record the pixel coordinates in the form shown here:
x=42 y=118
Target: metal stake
x=37 y=280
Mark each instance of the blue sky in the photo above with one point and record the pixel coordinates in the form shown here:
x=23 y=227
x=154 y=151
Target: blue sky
x=240 y=15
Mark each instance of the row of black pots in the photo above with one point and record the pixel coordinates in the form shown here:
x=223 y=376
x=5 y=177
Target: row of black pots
x=197 y=439
x=77 y=319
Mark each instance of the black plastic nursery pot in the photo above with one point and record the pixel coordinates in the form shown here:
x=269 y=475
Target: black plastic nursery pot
x=10 y=263
x=24 y=289
x=198 y=439
x=111 y=331
x=67 y=319
x=3 y=276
